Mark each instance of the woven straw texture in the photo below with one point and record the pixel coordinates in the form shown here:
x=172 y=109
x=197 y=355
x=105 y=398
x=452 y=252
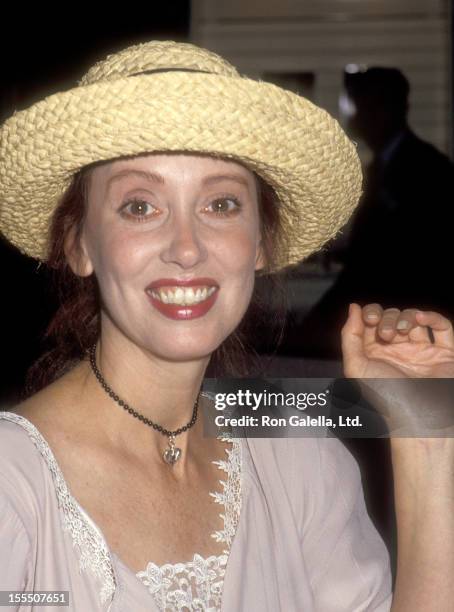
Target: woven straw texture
x=298 y=148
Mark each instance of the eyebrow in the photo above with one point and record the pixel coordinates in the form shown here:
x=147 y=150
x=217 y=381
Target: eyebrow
x=217 y=178
x=158 y=178
x=149 y=176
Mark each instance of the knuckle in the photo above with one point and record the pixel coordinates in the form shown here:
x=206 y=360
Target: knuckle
x=373 y=305
x=409 y=311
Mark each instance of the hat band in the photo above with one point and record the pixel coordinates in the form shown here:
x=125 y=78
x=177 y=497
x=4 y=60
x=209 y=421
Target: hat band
x=155 y=70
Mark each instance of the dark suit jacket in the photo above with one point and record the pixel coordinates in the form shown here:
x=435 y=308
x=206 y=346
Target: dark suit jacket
x=401 y=237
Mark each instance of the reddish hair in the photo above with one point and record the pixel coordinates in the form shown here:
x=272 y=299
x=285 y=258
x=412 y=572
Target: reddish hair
x=76 y=324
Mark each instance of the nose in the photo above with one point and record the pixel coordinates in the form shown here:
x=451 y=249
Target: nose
x=183 y=244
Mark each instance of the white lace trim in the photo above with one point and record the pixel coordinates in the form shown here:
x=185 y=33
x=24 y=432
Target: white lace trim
x=230 y=496
x=197 y=584
x=94 y=553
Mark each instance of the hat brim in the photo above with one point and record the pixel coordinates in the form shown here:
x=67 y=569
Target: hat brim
x=297 y=147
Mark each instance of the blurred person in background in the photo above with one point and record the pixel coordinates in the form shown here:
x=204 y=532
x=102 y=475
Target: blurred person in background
x=399 y=248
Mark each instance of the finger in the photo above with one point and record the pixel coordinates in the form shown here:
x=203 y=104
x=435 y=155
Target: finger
x=386 y=329
x=406 y=321
x=372 y=314
x=419 y=334
x=409 y=328
x=442 y=328
x=352 y=340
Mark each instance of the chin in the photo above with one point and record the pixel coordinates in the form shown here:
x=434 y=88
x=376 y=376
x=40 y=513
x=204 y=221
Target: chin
x=182 y=356
x=182 y=351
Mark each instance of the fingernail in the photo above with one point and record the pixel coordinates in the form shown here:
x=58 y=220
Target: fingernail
x=371 y=315
x=402 y=325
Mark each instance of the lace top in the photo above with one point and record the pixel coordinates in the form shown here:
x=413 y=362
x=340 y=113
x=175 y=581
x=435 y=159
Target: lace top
x=193 y=585
x=304 y=539
x=197 y=584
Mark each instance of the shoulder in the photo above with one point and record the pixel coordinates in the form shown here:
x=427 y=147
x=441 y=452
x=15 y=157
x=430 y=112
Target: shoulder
x=46 y=415
x=22 y=469
x=325 y=469
x=332 y=478
x=315 y=472
x=17 y=447
x=315 y=457
x=27 y=433
x=414 y=151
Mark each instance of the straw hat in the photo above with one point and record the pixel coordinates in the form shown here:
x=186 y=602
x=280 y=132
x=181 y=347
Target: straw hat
x=167 y=96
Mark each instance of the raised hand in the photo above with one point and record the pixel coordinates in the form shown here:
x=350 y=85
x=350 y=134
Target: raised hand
x=395 y=344
x=380 y=346
x=391 y=343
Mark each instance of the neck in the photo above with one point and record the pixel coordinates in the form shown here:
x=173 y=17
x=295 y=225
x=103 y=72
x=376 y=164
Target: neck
x=162 y=391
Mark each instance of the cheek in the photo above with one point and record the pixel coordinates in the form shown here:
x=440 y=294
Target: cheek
x=116 y=258
x=237 y=252
x=237 y=259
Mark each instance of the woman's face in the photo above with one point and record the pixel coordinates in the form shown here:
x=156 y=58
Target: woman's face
x=156 y=221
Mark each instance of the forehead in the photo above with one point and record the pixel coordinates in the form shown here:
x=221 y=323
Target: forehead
x=176 y=167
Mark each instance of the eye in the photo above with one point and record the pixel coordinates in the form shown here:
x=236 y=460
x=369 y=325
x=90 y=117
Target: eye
x=225 y=206
x=137 y=209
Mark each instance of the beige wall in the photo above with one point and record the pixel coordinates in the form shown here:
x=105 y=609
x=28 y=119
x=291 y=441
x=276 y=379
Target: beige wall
x=323 y=36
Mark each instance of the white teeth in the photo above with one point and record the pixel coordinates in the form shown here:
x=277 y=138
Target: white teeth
x=183 y=295
x=189 y=296
x=178 y=296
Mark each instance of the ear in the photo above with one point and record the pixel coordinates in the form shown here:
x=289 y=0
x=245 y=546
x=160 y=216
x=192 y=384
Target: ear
x=76 y=254
x=260 y=260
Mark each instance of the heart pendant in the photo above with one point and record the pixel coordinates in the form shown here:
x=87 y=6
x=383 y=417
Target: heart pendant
x=171 y=455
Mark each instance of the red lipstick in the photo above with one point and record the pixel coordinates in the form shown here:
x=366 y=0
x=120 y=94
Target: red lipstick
x=179 y=311
x=174 y=282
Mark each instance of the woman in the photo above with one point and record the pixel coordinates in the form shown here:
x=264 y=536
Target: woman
x=160 y=186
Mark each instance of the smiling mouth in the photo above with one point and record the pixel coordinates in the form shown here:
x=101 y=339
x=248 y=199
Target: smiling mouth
x=183 y=296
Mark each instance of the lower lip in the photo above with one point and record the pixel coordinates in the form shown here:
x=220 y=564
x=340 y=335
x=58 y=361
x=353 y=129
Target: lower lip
x=178 y=312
